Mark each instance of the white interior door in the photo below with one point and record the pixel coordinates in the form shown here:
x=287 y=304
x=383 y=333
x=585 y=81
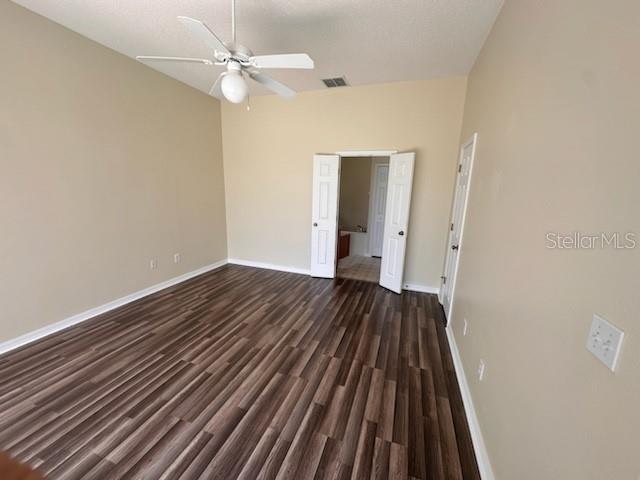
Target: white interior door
x=460 y=199
x=396 y=220
x=377 y=207
x=324 y=215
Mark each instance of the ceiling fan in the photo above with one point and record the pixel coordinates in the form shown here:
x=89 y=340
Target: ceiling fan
x=239 y=61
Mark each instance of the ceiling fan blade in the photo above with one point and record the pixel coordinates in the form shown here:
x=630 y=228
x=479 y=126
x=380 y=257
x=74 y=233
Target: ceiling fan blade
x=273 y=85
x=287 y=60
x=152 y=58
x=216 y=89
x=201 y=31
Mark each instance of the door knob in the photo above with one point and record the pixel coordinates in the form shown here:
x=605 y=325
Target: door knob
x=315 y=224
x=401 y=233
x=454 y=247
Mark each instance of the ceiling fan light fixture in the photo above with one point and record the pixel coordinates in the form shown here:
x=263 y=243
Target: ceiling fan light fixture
x=234 y=86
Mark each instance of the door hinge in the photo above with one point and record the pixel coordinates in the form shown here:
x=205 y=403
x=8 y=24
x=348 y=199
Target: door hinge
x=459 y=168
x=452 y=227
x=444 y=280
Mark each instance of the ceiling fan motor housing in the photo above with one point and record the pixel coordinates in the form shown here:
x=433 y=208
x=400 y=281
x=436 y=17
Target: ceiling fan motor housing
x=239 y=53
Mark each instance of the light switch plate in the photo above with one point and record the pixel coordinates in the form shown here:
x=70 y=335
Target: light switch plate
x=605 y=341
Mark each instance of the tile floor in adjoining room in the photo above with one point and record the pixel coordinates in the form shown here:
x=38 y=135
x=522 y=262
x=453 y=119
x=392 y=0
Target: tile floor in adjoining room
x=359 y=267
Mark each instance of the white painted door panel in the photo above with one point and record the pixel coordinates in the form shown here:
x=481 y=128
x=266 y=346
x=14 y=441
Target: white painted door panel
x=378 y=204
x=324 y=215
x=458 y=213
x=396 y=220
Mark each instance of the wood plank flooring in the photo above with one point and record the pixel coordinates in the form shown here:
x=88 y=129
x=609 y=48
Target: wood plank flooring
x=243 y=373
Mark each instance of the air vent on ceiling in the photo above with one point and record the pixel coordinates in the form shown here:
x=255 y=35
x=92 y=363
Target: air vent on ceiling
x=335 y=82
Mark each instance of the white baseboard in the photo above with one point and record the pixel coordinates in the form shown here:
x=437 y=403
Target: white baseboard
x=482 y=456
x=414 y=287
x=81 y=317
x=282 y=268
x=269 y=266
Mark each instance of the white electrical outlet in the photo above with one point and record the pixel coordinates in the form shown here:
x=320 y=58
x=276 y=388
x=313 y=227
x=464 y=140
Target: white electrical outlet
x=605 y=341
x=465 y=327
x=176 y=258
x=481 y=370
x=153 y=264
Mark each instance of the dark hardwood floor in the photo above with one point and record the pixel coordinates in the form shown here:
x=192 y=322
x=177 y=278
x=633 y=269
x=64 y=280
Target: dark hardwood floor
x=243 y=373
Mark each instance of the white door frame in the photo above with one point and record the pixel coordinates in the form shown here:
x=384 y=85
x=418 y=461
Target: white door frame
x=366 y=153
x=373 y=199
x=452 y=276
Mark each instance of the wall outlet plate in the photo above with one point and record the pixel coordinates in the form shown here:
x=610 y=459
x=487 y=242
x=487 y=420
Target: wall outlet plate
x=176 y=258
x=153 y=264
x=605 y=342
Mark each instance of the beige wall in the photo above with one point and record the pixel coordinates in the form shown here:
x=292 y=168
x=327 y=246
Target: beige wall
x=355 y=182
x=104 y=164
x=268 y=164
x=554 y=98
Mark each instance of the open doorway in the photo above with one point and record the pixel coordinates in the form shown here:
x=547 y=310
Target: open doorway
x=362 y=204
x=325 y=231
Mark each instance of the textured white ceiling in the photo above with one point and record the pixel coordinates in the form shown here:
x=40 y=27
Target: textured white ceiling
x=367 y=41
